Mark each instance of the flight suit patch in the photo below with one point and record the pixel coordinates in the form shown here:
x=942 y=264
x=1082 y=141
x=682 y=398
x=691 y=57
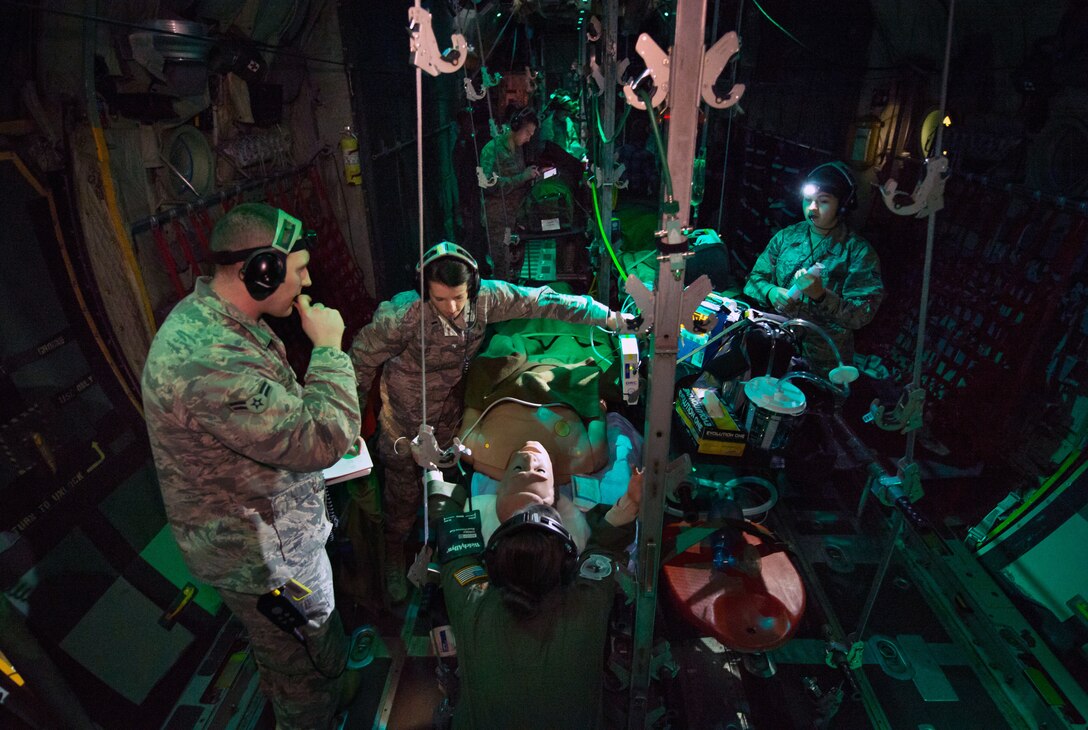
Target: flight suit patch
x=469 y=574
x=255 y=403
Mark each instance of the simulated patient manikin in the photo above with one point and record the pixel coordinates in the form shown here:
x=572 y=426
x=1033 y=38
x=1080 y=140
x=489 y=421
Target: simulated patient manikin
x=529 y=479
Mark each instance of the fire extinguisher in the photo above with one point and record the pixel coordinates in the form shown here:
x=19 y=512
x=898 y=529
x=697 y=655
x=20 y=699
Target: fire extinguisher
x=349 y=146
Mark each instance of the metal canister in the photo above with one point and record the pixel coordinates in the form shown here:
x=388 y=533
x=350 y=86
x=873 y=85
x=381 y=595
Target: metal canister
x=774 y=409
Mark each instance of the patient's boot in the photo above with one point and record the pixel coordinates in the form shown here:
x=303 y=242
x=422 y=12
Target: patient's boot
x=395 y=583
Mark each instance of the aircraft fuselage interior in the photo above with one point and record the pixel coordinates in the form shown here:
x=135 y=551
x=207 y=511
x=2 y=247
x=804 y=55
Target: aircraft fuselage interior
x=674 y=364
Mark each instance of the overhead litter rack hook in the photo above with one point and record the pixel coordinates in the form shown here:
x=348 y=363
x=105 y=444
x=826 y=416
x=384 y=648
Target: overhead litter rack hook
x=424 y=47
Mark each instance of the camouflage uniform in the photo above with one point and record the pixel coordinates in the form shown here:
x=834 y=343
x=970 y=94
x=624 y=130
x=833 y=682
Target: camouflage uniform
x=503 y=200
x=851 y=277
x=239 y=446
x=392 y=338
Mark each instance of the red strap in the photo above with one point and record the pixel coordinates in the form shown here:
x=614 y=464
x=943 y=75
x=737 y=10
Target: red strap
x=1071 y=246
x=230 y=202
x=182 y=238
x=203 y=226
x=274 y=195
x=167 y=259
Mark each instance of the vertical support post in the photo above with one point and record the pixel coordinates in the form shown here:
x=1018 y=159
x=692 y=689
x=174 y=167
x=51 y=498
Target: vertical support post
x=607 y=108
x=685 y=76
x=931 y=232
x=685 y=97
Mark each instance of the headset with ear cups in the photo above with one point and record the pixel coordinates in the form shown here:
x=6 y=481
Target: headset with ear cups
x=450 y=250
x=263 y=272
x=521 y=117
x=848 y=201
x=264 y=268
x=534 y=520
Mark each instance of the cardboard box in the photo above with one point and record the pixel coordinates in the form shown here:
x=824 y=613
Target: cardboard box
x=709 y=423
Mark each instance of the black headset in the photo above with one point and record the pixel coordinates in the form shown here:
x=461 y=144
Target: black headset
x=850 y=200
x=521 y=117
x=450 y=250
x=533 y=520
x=264 y=268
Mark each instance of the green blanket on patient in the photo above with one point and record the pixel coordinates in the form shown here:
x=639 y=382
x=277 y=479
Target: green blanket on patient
x=545 y=361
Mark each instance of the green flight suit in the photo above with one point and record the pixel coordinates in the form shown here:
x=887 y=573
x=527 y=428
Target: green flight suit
x=543 y=673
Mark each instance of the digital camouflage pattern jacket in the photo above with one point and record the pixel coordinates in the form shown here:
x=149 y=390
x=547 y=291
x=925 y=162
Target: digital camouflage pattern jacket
x=851 y=277
x=239 y=444
x=393 y=338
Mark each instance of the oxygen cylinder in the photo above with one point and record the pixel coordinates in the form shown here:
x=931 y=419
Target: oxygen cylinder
x=349 y=146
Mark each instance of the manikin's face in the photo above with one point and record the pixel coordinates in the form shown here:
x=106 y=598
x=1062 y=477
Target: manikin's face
x=822 y=211
x=528 y=480
x=450 y=301
x=297 y=278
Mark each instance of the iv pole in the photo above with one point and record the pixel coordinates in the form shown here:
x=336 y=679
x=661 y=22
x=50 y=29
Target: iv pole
x=926 y=200
x=684 y=75
x=904 y=488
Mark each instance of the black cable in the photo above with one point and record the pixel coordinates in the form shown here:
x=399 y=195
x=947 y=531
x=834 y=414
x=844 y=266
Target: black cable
x=287 y=617
x=828 y=61
x=597 y=118
x=662 y=156
x=778 y=25
x=331 y=510
x=297 y=633
x=306 y=645
x=347 y=214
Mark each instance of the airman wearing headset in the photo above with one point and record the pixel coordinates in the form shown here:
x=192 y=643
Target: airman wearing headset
x=530 y=614
x=556 y=125
x=456 y=306
x=820 y=269
x=504 y=158
x=240 y=445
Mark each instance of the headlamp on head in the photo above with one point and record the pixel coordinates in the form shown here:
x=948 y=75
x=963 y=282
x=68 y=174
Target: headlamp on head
x=833 y=178
x=289 y=234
